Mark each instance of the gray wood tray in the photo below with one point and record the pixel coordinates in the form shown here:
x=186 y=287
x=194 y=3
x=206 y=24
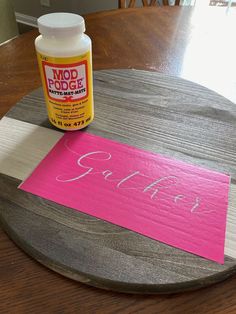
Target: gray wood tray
x=148 y=110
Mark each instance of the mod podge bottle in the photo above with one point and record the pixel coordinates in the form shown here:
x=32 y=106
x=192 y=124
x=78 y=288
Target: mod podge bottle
x=65 y=63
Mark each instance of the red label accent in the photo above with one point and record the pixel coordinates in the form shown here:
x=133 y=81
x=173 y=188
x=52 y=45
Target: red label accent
x=66 y=82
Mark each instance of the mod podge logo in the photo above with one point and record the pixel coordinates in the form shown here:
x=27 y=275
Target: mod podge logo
x=66 y=82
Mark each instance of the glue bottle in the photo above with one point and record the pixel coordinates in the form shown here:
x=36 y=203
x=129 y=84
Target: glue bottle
x=65 y=64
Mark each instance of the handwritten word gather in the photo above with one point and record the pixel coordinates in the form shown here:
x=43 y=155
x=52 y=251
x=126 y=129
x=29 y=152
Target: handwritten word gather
x=134 y=180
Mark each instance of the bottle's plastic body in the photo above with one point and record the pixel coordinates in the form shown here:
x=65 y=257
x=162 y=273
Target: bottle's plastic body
x=65 y=63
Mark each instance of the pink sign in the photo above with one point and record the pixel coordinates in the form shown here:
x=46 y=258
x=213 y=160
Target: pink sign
x=179 y=204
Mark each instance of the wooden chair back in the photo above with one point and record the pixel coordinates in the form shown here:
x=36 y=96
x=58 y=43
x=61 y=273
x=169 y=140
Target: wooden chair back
x=146 y=3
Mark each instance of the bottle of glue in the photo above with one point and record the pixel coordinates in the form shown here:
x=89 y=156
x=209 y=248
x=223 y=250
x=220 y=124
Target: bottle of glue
x=65 y=64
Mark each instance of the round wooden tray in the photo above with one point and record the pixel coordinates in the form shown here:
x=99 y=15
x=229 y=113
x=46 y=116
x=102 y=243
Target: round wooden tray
x=148 y=110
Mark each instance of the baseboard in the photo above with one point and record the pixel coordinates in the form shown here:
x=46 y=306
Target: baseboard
x=26 y=19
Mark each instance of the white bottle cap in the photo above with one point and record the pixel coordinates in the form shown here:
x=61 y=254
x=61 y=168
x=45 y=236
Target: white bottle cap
x=61 y=24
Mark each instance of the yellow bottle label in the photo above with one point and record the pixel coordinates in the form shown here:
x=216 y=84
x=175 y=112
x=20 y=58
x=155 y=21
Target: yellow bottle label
x=68 y=90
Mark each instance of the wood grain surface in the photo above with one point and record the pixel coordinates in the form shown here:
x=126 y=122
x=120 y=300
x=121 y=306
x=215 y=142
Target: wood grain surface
x=173 y=40
x=166 y=39
x=148 y=110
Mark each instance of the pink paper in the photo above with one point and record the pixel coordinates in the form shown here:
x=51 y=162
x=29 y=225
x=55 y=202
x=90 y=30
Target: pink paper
x=168 y=200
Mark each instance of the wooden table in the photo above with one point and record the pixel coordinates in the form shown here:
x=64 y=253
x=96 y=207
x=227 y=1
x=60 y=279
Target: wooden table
x=177 y=41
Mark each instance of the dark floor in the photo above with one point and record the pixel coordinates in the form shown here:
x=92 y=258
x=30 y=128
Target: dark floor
x=23 y=28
